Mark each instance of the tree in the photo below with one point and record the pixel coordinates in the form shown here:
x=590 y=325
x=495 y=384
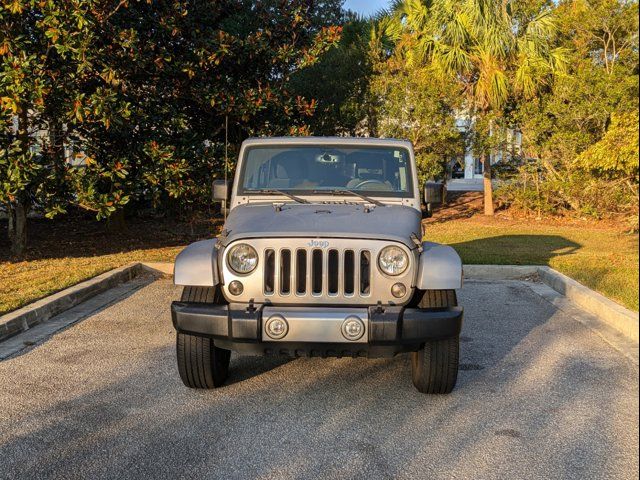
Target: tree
x=492 y=50
x=143 y=89
x=412 y=104
x=339 y=82
x=581 y=129
x=576 y=110
x=608 y=29
x=166 y=76
x=43 y=45
x=616 y=154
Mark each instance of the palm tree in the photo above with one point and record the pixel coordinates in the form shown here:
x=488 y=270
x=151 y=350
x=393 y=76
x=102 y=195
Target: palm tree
x=492 y=49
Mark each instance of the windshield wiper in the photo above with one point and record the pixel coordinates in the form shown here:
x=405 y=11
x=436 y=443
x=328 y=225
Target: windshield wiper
x=354 y=193
x=273 y=191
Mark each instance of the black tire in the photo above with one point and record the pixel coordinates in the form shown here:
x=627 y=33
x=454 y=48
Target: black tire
x=200 y=363
x=432 y=298
x=434 y=368
x=202 y=295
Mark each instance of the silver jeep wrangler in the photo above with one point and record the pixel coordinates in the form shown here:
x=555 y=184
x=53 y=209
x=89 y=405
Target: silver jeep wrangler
x=321 y=255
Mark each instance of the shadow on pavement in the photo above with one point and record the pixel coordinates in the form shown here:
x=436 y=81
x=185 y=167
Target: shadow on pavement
x=535 y=406
x=33 y=338
x=242 y=368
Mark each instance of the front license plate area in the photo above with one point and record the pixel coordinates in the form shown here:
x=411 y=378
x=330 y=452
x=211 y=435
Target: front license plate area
x=312 y=324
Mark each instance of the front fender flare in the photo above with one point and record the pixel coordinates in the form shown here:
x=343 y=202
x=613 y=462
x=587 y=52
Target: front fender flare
x=440 y=268
x=197 y=265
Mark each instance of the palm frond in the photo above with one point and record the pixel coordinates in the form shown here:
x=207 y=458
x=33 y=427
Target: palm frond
x=492 y=85
x=524 y=80
x=543 y=26
x=559 y=58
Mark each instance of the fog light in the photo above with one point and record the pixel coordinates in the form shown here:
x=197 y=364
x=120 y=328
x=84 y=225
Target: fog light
x=235 y=287
x=398 y=290
x=352 y=328
x=276 y=327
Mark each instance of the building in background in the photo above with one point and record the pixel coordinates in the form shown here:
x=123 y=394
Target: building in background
x=465 y=171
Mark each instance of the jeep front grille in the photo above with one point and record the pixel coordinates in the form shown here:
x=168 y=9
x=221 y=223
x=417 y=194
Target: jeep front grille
x=337 y=271
x=330 y=272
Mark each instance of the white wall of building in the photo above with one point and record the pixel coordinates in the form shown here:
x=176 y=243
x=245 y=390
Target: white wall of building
x=473 y=169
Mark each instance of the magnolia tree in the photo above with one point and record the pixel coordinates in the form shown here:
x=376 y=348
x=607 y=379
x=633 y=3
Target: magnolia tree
x=172 y=74
x=42 y=50
x=143 y=89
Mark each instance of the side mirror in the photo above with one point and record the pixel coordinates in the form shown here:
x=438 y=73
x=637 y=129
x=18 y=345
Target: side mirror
x=433 y=193
x=220 y=190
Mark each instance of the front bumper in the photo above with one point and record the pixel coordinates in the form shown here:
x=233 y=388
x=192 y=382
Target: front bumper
x=390 y=329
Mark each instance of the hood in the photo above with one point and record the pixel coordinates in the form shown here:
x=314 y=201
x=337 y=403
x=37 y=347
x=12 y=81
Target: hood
x=395 y=223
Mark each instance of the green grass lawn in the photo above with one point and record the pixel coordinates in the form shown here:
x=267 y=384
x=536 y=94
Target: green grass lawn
x=24 y=282
x=66 y=253
x=602 y=258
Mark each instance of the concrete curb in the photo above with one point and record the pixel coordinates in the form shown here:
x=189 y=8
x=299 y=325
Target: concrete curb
x=163 y=269
x=622 y=319
x=500 y=272
x=42 y=310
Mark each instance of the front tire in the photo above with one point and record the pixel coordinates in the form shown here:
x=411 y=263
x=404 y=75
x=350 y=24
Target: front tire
x=434 y=368
x=200 y=363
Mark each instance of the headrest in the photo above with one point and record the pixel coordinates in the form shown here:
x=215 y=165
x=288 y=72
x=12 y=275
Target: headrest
x=289 y=167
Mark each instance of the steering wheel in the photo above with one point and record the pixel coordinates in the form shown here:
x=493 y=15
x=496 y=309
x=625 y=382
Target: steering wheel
x=366 y=182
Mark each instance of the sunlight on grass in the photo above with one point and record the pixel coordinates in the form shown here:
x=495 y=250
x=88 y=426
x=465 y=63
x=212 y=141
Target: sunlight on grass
x=24 y=282
x=603 y=259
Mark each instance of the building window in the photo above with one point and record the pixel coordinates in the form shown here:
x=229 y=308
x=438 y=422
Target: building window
x=478 y=168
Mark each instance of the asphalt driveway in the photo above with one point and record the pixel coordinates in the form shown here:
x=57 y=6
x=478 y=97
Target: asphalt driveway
x=539 y=395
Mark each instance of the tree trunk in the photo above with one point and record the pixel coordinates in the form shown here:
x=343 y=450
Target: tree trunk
x=11 y=226
x=56 y=143
x=18 y=228
x=116 y=222
x=447 y=171
x=19 y=207
x=488 y=187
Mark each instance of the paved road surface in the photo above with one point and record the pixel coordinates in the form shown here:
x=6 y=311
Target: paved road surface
x=539 y=396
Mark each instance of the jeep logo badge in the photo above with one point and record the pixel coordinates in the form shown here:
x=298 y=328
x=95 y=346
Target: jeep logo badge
x=318 y=243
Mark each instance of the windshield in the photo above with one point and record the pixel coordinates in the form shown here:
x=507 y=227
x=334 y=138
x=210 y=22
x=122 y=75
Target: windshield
x=378 y=171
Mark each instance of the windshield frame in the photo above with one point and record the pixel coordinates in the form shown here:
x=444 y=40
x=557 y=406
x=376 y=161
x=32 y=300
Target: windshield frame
x=317 y=192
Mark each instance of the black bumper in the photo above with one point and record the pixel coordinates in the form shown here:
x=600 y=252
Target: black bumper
x=392 y=330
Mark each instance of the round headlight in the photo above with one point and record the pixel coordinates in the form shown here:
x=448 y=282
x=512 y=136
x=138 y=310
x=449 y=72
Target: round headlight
x=243 y=258
x=393 y=260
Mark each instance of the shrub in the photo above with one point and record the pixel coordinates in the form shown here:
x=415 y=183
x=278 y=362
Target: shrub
x=580 y=194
